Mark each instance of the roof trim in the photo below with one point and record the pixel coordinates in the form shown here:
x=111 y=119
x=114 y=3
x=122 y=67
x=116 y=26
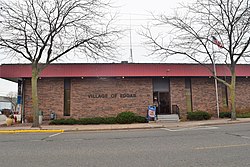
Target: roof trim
x=121 y=70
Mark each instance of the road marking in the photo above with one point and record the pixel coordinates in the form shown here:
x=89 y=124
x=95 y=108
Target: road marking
x=225 y=146
x=191 y=128
x=245 y=137
x=50 y=136
x=55 y=135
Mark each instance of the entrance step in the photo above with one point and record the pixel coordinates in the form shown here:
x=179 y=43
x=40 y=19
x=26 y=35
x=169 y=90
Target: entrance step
x=168 y=118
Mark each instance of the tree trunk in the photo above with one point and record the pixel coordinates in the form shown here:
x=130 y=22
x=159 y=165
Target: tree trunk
x=232 y=96
x=35 y=109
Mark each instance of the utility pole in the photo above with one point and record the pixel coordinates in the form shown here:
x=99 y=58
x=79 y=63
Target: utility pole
x=216 y=85
x=130 y=40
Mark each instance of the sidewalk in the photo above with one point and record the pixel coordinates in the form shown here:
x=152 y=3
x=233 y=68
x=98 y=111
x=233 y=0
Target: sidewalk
x=151 y=125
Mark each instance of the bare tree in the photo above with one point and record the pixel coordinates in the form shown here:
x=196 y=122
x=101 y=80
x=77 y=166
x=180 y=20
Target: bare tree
x=196 y=29
x=42 y=31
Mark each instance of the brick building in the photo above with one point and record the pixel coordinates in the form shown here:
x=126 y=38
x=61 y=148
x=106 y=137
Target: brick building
x=91 y=90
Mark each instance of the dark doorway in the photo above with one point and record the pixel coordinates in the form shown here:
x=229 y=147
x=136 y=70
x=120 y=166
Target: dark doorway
x=162 y=102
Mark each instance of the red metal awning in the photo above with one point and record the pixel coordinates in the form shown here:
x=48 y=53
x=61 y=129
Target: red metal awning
x=120 y=70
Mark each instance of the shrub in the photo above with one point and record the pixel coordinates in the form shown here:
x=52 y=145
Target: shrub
x=238 y=115
x=70 y=121
x=122 y=118
x=57 y=122
x=84 y=121
x=96 y=120
x=243 y=115
x=225 y=115
x=126 y=118
x=110 y=120
x=198 y=115
x=140 y=119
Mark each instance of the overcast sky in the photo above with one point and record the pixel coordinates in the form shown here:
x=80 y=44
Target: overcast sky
x=132 y=14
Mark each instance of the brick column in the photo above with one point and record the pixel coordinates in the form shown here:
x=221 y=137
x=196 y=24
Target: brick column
x=177 y=94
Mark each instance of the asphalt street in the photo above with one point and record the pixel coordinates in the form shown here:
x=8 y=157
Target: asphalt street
x=205 y=146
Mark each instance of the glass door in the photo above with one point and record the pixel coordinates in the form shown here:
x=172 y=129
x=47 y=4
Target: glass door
x=162 y=102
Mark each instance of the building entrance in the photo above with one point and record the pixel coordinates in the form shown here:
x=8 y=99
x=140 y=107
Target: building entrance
x=161 y=95
x=162 y=103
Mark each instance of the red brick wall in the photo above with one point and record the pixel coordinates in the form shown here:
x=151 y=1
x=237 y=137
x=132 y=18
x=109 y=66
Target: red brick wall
x=50 y=94
x=82 y=105
x=243 y=93
x=204 y=95
x=203 y=92
x=177 y=94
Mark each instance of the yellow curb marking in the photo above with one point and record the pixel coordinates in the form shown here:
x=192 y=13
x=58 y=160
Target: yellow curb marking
x=225 y=146
x=33 y=131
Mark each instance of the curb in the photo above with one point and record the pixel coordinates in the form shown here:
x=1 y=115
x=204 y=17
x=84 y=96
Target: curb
x=32 y=131
x=79 y=129
x=110 y=129
x=229 y=122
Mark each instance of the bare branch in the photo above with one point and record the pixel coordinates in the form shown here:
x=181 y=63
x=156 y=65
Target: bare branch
x=189 y=32
x=44 y=31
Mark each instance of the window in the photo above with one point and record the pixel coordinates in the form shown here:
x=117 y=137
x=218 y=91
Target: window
x=161 y=84
x=188 y=92
x=224 y=95
x=67 y=88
